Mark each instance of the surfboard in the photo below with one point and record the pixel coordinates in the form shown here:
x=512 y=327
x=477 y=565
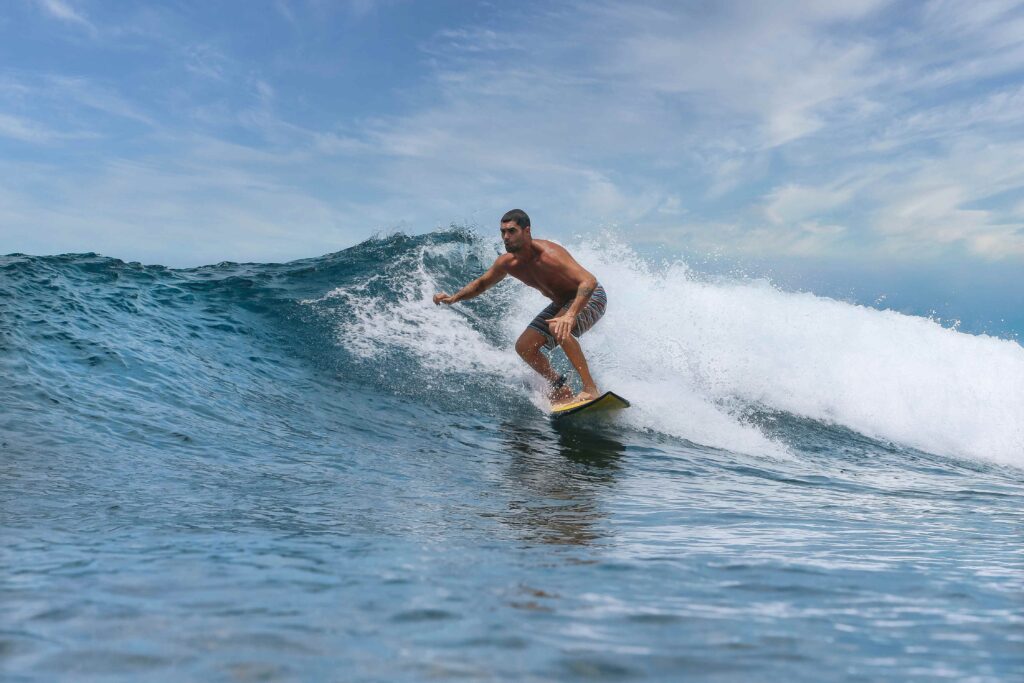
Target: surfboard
x=607 y=401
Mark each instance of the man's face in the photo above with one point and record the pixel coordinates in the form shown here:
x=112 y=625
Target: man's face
x=513 y=236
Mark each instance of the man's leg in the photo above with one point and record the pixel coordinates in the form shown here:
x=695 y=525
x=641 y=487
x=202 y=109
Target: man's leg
x=528 y=346
x=574 y=353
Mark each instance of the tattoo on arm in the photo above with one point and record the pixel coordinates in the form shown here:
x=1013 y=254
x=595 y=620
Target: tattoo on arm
x=582 y=296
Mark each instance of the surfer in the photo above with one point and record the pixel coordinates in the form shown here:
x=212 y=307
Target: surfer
x=577 y=302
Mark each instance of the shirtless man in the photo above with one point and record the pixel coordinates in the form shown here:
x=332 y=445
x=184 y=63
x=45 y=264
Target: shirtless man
x=577 y=301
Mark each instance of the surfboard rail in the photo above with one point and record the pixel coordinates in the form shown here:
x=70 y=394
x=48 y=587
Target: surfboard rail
x=609 y=400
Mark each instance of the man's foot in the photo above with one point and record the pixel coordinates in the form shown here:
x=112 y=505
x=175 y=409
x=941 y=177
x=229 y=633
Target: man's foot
x=581 y=397
x=560 y=394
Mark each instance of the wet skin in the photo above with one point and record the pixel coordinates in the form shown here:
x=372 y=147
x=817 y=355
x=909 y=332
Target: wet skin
x=550 y=269
x=543 y=265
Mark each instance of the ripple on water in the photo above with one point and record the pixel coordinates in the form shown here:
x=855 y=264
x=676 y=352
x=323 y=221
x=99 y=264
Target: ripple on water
x=201 y=483
x=424 y=614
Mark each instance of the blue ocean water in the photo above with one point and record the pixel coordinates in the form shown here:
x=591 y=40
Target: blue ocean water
x=305 y=471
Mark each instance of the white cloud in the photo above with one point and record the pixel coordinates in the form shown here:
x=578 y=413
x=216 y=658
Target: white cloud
x=794 y=203
x=212 y=203
x=805 y=238
x=47 y=109
x=921 y=204
x=1002 y=109
x=471 y=41
x=941 y=202
x=722 y=100
x=775 y=65
x=26 y=130
x=89 y=93
x=285 y=9
x=58 y=9
x=21 y=129
x=791 y=127
x=206 y=61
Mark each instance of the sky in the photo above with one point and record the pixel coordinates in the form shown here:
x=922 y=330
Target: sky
x=880 y=141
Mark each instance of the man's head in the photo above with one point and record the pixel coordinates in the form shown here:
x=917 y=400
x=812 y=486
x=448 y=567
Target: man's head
x=515 y=230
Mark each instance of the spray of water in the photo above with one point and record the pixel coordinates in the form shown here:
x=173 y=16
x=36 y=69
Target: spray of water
x=695 y=356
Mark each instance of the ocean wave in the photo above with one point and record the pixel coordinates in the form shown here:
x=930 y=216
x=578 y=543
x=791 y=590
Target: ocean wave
x=707 y=360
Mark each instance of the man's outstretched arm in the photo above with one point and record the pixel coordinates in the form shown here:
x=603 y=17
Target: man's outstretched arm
x=495 y=274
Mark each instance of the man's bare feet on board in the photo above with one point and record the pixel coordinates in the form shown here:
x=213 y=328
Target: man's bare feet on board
x=581 y=397
x=561 y=394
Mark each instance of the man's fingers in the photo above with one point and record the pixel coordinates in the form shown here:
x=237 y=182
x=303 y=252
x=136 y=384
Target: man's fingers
x=560 y=328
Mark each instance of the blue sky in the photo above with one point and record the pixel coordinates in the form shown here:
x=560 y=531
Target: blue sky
x=863 y=132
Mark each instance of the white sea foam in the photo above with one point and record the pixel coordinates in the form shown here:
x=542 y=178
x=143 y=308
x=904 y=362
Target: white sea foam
x=693 y=355
x=442 y=339
x=884 y=374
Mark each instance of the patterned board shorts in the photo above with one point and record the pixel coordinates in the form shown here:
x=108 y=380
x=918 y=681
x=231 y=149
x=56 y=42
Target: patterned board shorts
x=586 y=318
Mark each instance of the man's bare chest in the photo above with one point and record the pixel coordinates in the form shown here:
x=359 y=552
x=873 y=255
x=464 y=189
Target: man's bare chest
x=537 y=271
x=549 y=277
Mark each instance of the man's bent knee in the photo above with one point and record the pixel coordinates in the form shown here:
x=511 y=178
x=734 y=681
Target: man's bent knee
x=529 y=343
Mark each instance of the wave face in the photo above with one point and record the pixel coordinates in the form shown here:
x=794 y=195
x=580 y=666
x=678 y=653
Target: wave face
x=249 y=439
x=707 y=361
x=712 y=362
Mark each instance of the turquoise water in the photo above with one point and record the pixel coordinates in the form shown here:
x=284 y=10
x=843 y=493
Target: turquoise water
x=306 y=472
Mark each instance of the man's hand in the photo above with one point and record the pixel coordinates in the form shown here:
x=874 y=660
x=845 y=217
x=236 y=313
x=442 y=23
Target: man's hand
x=495 y=274
x=561 y=327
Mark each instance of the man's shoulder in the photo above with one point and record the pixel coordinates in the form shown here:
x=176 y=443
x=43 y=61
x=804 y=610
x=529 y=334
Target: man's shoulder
x=551 y=247
x=504 y=261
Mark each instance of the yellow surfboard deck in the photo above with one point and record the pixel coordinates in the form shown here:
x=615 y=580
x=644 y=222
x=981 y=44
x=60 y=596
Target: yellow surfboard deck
x=609 y=400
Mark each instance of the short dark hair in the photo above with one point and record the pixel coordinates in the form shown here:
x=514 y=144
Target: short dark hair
x=518 y=216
